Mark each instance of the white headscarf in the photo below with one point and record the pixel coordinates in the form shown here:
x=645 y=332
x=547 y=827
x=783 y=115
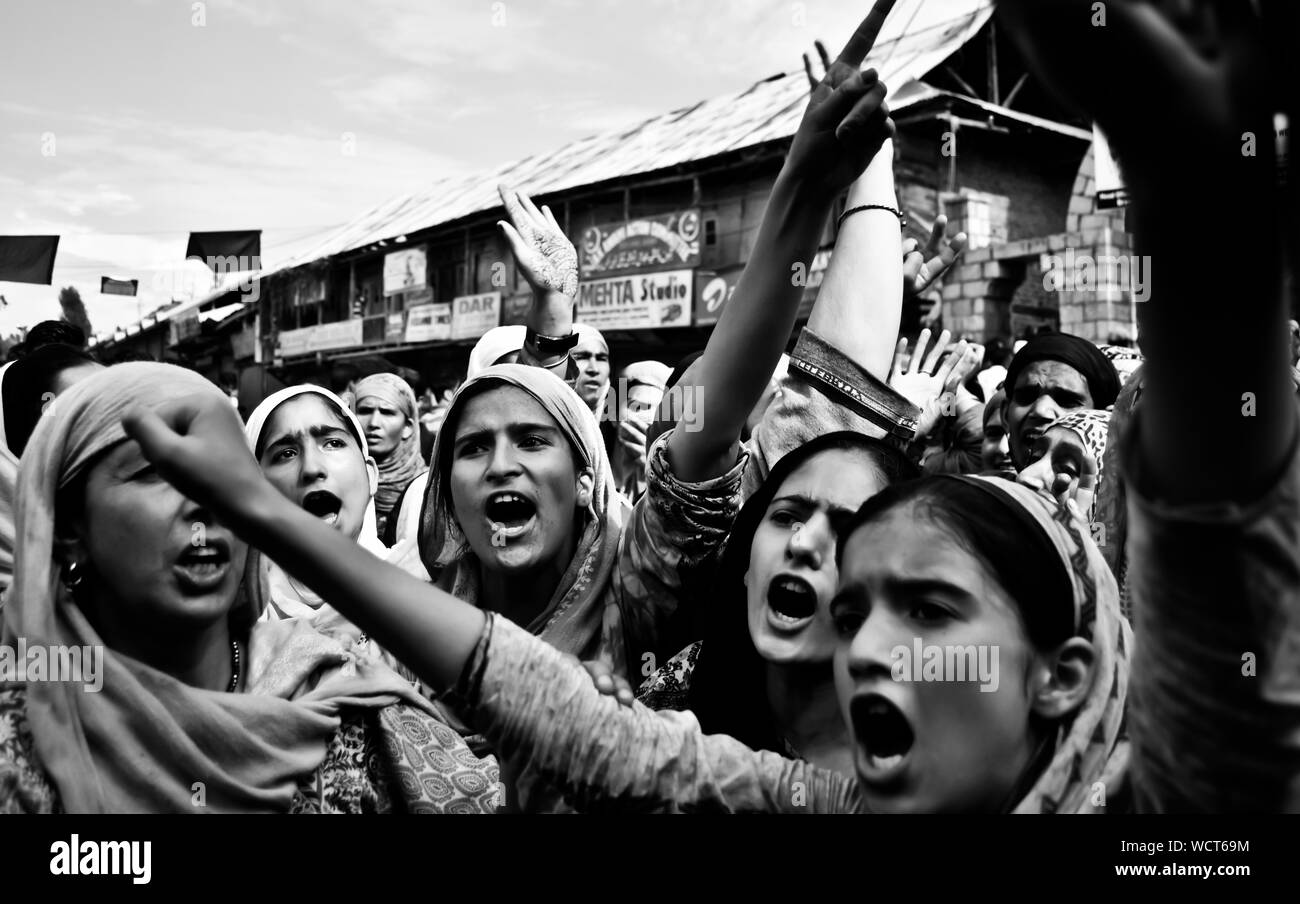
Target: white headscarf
x=493 y=345
x=285 y=597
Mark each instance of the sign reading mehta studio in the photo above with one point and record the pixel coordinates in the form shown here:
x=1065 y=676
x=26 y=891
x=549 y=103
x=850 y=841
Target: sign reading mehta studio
x=637 y=302
x=669 y=240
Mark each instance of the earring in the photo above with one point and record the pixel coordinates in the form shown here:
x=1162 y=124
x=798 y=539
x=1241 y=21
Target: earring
x=72 y=575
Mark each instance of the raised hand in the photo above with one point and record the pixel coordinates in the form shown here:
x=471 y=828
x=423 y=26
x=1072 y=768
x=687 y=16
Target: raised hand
x=846 y=119
x=922 y=268
x=544 y=254
x=931 y=386
x=197 y=444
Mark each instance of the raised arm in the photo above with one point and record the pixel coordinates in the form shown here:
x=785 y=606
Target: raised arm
x=1212 y=478
x=1193 y=131
x=549 y=264
x=843 y=127
x=537 y=706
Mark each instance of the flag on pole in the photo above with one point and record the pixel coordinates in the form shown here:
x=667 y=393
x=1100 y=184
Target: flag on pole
x=28 y=258
x=110 y=286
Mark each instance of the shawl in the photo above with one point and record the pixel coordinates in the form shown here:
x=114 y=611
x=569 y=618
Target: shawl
x=403 y=464
x=572 y=619
x=144 y=740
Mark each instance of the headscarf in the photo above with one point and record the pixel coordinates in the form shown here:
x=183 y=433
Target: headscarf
x=572 y=619
x=8 y=488
x=1079 y=353
x=403 y=464
x=282 y=596
x=1088 y=745
x=648 y=373
x=1092 y=427
x=143 y=741
x=493 y=345
x=589 y=335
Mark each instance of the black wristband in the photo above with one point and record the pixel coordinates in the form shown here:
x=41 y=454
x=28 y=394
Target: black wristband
x=549 y=346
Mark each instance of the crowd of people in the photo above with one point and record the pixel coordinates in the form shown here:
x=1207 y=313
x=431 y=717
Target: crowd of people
x=549 y=608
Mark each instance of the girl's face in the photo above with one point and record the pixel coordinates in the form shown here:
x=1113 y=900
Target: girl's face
x=515 y=489
x=792 y=572
x=385 y=425
x=311 y=456
x=1060 y=464
x=159 y=562
x=928 y=736
x=995 y=451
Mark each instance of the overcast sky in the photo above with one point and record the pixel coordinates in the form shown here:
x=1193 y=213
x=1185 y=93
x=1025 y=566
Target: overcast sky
x=125 y=124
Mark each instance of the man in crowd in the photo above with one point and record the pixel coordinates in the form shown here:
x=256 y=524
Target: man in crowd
x=1051 y=375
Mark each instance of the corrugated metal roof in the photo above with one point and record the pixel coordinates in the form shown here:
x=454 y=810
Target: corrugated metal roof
x=767 y=111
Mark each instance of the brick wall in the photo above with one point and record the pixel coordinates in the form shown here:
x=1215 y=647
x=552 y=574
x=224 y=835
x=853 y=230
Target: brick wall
x=1000 y=289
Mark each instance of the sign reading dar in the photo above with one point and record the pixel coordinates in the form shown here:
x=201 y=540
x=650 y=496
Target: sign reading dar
x=474 y=315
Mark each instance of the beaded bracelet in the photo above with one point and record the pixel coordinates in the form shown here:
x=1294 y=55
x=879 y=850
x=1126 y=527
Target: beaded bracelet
x=902 y=220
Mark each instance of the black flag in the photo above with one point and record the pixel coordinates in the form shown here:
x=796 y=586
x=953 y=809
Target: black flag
x=28 y=258
x=110 y=286
x=227 y=252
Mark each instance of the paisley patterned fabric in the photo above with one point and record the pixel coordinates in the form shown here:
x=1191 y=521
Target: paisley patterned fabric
x=396 y=760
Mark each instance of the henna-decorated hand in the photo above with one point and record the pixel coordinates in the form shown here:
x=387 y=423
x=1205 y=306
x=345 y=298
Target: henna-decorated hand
x=543 y=252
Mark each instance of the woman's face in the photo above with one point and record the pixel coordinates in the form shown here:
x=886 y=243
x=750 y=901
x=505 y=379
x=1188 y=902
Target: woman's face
x=514 y=485
x=792 y=573
x=995 y=452
x=157 y=558
x=385 y=425
x=925 y=741
x=312 y=457
x=1060 y=464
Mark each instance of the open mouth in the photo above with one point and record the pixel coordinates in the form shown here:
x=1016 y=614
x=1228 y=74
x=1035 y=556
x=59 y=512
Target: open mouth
x=791 y=601
x=324 y=505
x=883 y=734
x=509 y=513
x=203 y=567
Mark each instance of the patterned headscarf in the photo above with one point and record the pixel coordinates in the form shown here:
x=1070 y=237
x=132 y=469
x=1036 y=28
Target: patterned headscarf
x=572 y=620
x=1088 y=747
x=403 y=464
x=1092 y=427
